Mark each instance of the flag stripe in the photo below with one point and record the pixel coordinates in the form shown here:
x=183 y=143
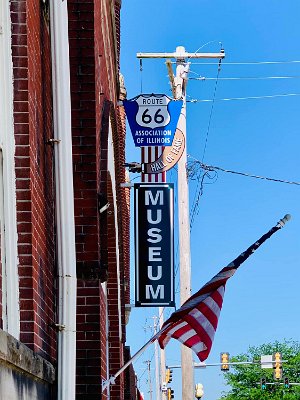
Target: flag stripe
x=199 y=347
x=184 y=334
x=205 y=339
x=195 y=317
x=208 y=313
x=203 y=327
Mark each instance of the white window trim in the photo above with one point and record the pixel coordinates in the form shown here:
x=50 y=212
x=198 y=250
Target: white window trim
x=11 y=318
x=111 y=169
x=104 y=288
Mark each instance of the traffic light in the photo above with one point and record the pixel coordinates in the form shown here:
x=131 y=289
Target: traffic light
x=170 y=394
x=224 y=361
x=277 y=365
x=263 y=383
x=286 y=382
x=199 y=392
x=169 y=375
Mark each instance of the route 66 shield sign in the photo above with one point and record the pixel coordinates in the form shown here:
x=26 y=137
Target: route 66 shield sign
x=152 y=119
x=153 y=111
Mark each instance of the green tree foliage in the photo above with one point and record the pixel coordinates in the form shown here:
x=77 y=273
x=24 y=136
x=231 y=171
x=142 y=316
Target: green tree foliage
x=245 y=379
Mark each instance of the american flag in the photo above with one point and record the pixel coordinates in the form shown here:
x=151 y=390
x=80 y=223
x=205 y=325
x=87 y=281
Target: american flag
x=195 y=323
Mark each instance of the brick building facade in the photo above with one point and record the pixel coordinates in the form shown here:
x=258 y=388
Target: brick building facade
x=32 y=308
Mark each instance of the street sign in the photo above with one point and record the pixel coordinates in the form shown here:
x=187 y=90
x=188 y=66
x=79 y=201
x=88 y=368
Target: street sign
x=152 y=119
x=266 y=361
x=154 y=244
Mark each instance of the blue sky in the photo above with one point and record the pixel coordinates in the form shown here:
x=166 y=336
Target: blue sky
x=255 y=136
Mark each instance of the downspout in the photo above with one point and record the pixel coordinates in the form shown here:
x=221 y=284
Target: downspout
x=66 y=255
x=10 y=274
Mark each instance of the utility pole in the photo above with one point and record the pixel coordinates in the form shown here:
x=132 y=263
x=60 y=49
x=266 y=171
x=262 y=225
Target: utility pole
x=178 y=84
x=148 y=362
x=162 y=357
x=157 y=380
x=184 y=226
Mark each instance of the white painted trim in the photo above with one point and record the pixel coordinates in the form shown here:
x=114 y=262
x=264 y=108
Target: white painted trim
x=66 y=253
x=111 y=169
x=104 y=288
x=7 y=143
x=3 y=256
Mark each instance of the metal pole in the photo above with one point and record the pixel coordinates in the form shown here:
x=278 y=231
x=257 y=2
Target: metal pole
x=112 y=379
x=204 y=365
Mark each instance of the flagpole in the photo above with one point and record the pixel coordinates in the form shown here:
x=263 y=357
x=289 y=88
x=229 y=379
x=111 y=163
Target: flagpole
x=280 y=224
x=111 y=380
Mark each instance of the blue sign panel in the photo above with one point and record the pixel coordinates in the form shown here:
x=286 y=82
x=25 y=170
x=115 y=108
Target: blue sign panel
x=152 y=119
x=154 y=244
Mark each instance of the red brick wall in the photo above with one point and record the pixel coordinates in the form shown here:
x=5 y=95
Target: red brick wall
x=107 y=85
x=82 y=65
x=94 y=36
x=88 y=381
x=34 y=175
x=94 y=58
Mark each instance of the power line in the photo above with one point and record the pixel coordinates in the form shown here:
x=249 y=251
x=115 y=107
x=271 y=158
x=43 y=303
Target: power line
x=239 y=78
x=214 y=168
x=199 y=188
x=243 y=98
x=195 y=173
x=205 y=44
x=212 y=108
x=248 y=62
x=199 y=192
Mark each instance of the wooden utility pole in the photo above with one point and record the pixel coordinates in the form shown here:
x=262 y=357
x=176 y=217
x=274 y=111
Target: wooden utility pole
x=148 y=362
x=157 y=380
x=184 y=227
x=162 y=357
x=178 y=84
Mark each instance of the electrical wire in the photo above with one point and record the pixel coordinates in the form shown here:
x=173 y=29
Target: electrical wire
x=243 y=98
x=204 y=78
x=214 y=168
x=146 y=369
x=212 y=108
x=199 y=188
x=205 y=44
x=247 y=62
x=200 y=176
x=195 y=173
